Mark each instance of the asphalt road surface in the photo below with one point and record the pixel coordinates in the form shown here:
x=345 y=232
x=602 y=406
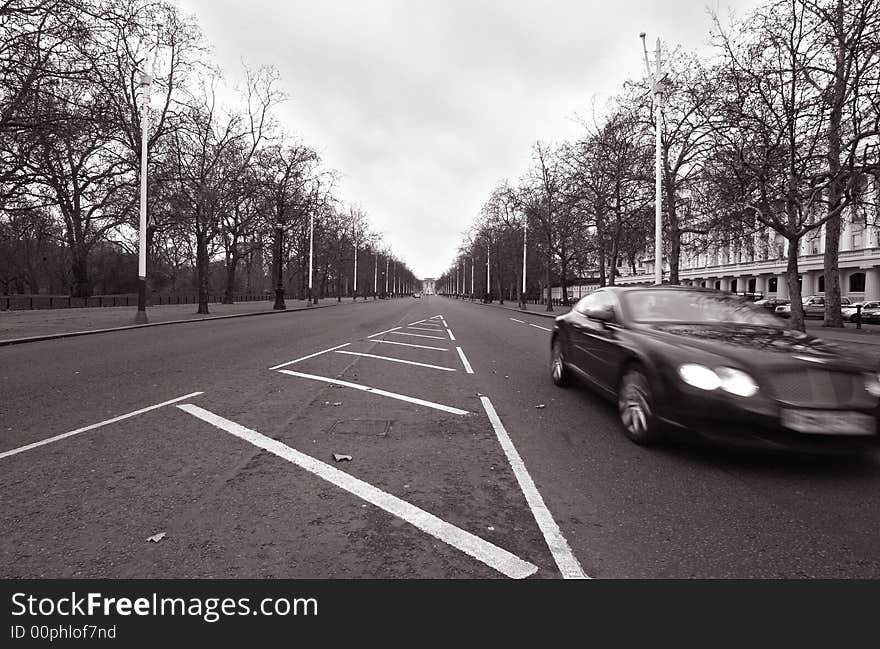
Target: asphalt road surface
x=217 y=440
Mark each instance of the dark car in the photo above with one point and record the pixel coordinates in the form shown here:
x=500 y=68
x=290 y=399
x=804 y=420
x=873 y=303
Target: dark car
x=713 y=364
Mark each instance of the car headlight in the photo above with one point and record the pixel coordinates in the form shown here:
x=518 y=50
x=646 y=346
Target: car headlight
x=736 y=382
x=725 y=378
x=699 y=376
x=872 y=384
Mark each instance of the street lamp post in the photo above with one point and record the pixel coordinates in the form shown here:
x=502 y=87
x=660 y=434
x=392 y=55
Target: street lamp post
x=658 y=205
x=376 y=276
x=488 y=283
x=279 y=271
x=522 y=298
x=141 y=316
x=311 y=256
x=386 y=275
x=355 y=291
x=472 y=278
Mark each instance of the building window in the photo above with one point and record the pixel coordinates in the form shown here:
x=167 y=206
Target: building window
x=702 y=284
x=821 y=284
x=857 y=283
x=856 y=240
x=772 y=285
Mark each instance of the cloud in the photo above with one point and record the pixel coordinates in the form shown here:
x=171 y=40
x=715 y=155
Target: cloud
x=424 y=105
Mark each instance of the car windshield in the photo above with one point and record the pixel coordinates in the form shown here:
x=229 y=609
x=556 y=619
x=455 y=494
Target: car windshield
x=664 y=305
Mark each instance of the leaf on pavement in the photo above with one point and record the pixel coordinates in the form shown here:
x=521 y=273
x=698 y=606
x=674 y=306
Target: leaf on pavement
x=156 y=537
x=341 y=458
x=540 y=406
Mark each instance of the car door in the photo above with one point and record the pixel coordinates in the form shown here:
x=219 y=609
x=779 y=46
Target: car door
x=814 y=308
x=604 y=346
x=580 y=333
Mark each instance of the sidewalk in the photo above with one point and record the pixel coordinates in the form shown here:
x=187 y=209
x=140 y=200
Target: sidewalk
x=867 y=335
x=15 y=325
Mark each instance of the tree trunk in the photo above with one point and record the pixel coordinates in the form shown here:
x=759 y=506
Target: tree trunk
x=82 y=286
x=600 y=237
x=202 y=269
x=231 y=266
x=833 y=317
x=794 y=286
x=547 y=277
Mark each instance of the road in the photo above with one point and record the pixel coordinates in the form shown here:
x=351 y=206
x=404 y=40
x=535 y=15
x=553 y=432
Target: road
x=456 y=470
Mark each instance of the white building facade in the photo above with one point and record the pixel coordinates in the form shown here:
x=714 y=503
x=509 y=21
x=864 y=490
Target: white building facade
x=757 y=263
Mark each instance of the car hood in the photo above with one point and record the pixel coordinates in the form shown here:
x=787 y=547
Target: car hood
x=761 y=346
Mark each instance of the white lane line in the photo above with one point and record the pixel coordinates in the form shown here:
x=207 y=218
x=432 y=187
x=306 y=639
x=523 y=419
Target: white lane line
x=519 y=321
x=403 y=333
x=493 y=556
x=539 y=327
x=276 y=367
x=56 y=438
x=394 y=342
x=451 y=337
x=434 y=329
x=565 y=559
x=399 y=360
x=464 y=361
x=383 y=393
x=384 y=332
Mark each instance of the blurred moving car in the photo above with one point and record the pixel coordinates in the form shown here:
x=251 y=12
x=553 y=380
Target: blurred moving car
x=706 y=362
x=770 y=303
x=814 y=307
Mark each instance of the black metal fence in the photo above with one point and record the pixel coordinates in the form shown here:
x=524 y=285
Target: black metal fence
x=28 y=302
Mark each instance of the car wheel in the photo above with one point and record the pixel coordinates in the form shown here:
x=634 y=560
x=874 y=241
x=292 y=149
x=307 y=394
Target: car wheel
x=558 y=371
x=636 y=409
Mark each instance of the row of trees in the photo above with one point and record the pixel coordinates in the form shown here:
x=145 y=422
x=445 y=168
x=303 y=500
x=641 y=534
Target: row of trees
x=770 y=141
x=232 y=197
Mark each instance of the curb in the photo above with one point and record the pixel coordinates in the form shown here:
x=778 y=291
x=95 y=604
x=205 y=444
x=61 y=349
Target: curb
x=89 y=332
x=544 y=314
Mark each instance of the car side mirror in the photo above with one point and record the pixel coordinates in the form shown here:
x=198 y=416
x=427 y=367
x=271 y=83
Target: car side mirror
x=603 y=314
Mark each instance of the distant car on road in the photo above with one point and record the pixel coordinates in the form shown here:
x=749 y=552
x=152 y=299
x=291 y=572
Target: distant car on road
x=417 y=294
x=707 y=362
x=814 y=307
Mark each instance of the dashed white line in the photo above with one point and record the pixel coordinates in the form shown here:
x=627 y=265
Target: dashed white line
x=451 y=337
x=464 y=361
x=519 y=321
x=539 y=327
x=84 y=429
x=276 y=367
x=399 y=360
x=562 y=554
x=383 y=332
x=383 y=393
x=394 y=342
x=493 y=556
x=403 y=333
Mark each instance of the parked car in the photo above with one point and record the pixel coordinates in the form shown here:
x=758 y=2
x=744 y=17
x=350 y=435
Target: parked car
x=770 y=303
x=705 y=362
x=870 y=310
x=814 y=307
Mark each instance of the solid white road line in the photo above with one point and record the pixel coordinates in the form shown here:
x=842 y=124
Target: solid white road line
x=500 y=559
x=394 y=342
x=519 y=321
x=383 y=393
x=565 y=559
x=539 y=327
x=403 y=333
x=451 y=337
x=464 y=361
x=277 y=367
x=399 y=360
x=56 y=438
x=384 y=332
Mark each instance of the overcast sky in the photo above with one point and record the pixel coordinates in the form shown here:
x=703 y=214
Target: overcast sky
x=423 y=106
